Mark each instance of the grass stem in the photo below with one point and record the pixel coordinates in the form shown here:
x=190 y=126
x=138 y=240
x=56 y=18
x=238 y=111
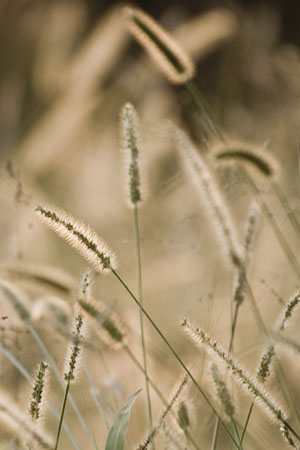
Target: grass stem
x=177 y=357
x=62 y=414
x=140 y=297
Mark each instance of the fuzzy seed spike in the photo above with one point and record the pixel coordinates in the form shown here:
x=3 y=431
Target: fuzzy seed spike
x=75 y=349
x=266 y=360
x=130 y=137
x=259 y=159
x=222 y=391
x=38 y=391
x=288 y=311
x=80 y=236
x=174 y=62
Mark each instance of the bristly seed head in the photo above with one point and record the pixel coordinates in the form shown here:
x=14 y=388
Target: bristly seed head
x=162 y=47
x=130 y=141
x=85 y=287
x=264 y=367
x=80 y=236
x=75 y=348
x=222 y=391
x=248 y=155
x=38 y=391
x=288 y=311
x=112 y=331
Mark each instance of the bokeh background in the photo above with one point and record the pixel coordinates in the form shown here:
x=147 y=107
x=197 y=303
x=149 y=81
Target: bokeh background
x=67 y=67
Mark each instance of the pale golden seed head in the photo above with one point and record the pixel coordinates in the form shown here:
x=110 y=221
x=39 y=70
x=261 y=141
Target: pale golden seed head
x=170 y=58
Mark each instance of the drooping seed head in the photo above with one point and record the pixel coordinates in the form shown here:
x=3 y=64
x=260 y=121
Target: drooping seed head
x=249 y=156
x=173 y=61
x=80 y=236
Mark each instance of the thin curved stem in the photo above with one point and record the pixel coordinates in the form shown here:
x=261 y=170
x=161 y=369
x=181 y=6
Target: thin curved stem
x=174 y=353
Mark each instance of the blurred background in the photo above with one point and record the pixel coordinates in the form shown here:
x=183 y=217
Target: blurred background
x=67 y=67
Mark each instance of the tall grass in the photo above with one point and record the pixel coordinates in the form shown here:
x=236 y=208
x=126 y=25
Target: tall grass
x=216 y=240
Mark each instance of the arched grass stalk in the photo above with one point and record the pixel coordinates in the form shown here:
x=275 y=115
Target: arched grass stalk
x=130 y=136
x=171 y=60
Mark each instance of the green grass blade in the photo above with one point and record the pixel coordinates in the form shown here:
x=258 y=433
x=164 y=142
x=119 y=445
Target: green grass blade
x=116 y=437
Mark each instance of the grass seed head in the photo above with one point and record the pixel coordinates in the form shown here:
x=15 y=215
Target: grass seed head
x=130 y=142
x=249 y=156
x=74 y=352
x=38 y=391
x=170 y=58
x=80 y=236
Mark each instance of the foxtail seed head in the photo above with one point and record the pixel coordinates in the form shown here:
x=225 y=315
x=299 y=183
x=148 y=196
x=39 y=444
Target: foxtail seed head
x=130 y=141
x=266 y=360
x=222 y=391
x=288 y=311
x=250 y=156
x=173 y=61
x=73 y=356
x=38 y=391
x=80 y=236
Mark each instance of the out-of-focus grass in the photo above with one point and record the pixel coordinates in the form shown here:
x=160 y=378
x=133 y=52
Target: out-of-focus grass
x=59 y=122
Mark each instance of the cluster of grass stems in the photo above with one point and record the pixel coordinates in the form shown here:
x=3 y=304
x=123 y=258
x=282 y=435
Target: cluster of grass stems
x=175 y=423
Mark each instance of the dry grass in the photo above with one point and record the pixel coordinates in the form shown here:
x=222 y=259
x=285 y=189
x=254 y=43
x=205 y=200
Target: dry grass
x=62 y=147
